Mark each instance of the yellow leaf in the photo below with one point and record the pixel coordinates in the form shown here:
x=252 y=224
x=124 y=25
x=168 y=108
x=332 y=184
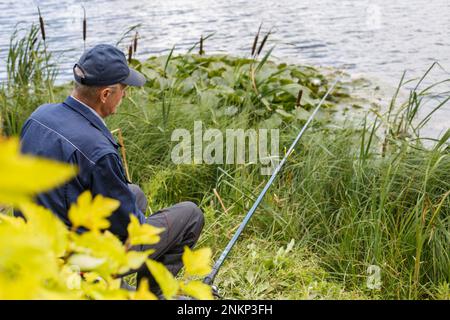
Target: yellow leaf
x=107 y=294
x=91 y=277
x=46 y=228
x=59 y=295
x=114 y=283
x=71 y=277
x=143 y=292
x=142 y=233
x=92 y=214
x=198 y=290
x=25 y=263
x=26 y=286
x=14 y=222
x=197 y=262
x=85 y=262
x=135 y=259
x=101 y=245
x=168 y=284
x=23 y=176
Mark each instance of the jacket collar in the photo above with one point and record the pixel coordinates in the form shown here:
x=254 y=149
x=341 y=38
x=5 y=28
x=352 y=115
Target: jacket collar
x=91 y=117
x=90 y=109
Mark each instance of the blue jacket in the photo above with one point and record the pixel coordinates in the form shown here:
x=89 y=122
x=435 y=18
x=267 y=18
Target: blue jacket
x=69 y=132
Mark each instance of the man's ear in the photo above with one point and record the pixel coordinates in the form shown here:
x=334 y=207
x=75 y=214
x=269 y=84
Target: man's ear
x=104 y=93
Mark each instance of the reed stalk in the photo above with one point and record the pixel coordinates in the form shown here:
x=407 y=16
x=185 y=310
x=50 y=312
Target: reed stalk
x=122 y=150
x=299 y=98
x=130 y=53
x=135 y=42
x=264 y=42
x=201 y=51
x=42 y=27
x=84 y=27
x=255 y=41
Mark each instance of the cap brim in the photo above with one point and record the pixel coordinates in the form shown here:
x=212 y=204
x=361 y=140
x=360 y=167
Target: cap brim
x=134 y=79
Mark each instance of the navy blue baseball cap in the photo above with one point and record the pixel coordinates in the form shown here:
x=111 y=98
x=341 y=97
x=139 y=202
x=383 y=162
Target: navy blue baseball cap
x=105 y=65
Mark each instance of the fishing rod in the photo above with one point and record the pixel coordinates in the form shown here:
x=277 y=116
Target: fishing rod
x=209 y=279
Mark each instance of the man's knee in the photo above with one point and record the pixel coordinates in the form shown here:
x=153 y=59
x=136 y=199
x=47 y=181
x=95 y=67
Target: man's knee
x=195 y=212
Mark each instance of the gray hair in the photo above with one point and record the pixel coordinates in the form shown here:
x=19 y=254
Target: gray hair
x=89 y=92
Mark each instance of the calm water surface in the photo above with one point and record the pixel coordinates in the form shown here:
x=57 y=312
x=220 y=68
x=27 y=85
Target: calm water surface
x=379 y=39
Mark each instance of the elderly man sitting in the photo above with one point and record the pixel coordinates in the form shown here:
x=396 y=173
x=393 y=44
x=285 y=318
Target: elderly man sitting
x=74 y=131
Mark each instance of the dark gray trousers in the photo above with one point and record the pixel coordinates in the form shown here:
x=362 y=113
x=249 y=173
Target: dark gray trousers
x=183 y=224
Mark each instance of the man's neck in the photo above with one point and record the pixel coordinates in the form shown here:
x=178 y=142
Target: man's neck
x=86 y=102
x=88 y=105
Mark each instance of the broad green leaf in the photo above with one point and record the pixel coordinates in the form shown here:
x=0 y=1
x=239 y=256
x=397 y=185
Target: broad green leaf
x=284 y=113
x=229 y=77
x=149 y=73
x=267 y=73
x=301 y=114
x=273 y=122
x=197 y=262
x=209 y=98
x=187 y=85
x=294 y=88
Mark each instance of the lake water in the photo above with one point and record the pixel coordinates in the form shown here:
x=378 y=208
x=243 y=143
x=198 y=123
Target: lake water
x=379 y=39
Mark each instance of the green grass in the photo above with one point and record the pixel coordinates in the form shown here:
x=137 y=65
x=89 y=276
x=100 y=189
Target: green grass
x=352 y=195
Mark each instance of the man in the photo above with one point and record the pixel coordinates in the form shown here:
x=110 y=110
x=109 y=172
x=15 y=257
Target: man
x=74 y=131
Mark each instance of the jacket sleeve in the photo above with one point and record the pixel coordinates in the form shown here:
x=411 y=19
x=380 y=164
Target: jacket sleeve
x=109 y=180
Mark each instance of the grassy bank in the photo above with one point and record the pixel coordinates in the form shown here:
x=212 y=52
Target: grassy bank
x=353 y=195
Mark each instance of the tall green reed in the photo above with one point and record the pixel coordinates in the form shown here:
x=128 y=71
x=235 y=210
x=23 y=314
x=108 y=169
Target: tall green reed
x=30 y=76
